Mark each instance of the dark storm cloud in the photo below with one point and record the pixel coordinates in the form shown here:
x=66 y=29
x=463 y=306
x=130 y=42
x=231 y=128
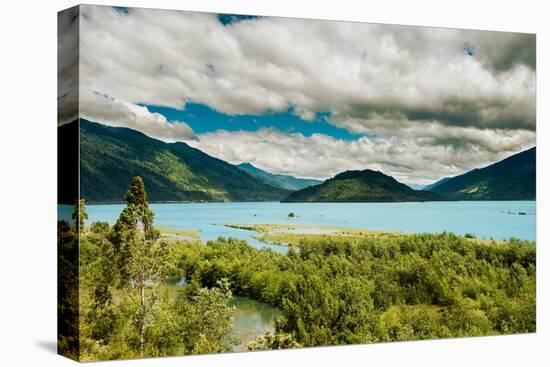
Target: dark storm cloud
x=459 y=111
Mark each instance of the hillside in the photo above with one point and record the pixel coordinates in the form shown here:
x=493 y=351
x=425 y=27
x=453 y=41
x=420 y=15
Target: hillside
x=431 y=186
x=513 y=178
x=111 y=156
x=283 y=181
x=360 y=186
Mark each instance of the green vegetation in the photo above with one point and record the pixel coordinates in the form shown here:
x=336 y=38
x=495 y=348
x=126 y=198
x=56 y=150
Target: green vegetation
x=360 y=186
x=79 y=215
x=174 y=233
x=375 y=289
x=285 y=182
x=68 y=327
x=294 y=234
x=296 y=239
x=111 y=156
x=274 y=341
x=125 y=311
x=513 y=178
x=343 y=286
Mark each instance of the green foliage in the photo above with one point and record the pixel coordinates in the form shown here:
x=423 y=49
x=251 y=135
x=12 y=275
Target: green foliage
x=68 y=290
x=360 y=186
x=337 y=291
x=209 y=318
x=80 y=215
x=125 y=312
x=282 y=181
x=513 y=178
x=111 y=156
x=100 y=228
x=329 y=289
x=273 y=341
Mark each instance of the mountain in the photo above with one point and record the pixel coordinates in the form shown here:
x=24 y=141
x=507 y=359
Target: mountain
x=111 y=156
x=416 y=186
x=360 y=186
x=437 y=183
x=513 y=178
x=283 y=181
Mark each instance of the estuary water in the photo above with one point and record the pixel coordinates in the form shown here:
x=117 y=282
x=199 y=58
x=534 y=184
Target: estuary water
x=252 y=318
x=485 y=219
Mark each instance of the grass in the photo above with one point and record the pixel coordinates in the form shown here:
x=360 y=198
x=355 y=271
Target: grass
x=169 y=232
x=294 y=234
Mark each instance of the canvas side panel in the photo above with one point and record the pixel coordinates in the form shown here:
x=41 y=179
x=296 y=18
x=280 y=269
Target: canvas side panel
x=68 y=341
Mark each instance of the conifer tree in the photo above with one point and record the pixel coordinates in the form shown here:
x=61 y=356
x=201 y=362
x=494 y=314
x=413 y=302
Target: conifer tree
x=139 y=256
x=80 y=215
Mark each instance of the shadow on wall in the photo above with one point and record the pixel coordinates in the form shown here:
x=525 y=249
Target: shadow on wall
x=48 y=345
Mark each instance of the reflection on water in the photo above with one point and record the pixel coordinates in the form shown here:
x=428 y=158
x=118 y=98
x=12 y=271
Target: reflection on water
x=252 y=319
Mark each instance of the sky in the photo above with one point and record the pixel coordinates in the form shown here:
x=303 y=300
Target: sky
x=308 y=98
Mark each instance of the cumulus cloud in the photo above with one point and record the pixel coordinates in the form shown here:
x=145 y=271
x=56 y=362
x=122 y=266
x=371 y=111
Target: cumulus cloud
x=110 y=111
x=433 y=102
x=366 y=72
x=410 y=160
x=67 y=59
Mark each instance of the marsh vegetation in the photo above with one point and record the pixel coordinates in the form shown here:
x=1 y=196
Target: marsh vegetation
x=336 y=286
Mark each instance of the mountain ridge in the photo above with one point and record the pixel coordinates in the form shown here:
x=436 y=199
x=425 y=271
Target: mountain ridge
x=111 y=156
x=361 y=186
x=284 y=181
x=512 y=178
x=175 y=172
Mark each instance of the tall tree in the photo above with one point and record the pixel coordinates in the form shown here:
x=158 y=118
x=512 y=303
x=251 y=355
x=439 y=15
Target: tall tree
x=140 y=257
x=80 y=215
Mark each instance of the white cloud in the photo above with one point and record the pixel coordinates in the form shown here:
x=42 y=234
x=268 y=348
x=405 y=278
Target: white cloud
x=435 y=102
x=67 y=59
x=353 y=70
x=113 y=112
x=408 y=159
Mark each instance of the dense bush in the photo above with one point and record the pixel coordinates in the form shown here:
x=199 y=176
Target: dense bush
x=123 y=309
x=332 y=291
x=329 y=289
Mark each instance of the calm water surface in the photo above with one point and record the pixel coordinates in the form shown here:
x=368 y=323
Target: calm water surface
x=252 y=318
x=496 y=219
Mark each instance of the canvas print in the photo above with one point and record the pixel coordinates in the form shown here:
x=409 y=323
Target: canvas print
x=233 y=183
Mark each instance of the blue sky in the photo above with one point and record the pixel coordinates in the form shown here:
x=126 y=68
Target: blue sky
x=203 y=119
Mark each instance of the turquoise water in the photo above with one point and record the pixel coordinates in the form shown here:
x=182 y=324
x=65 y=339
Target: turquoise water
x=485 y=219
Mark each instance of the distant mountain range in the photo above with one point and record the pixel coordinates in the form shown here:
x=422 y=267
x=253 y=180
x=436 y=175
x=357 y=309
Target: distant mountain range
x=513 y=178
x=111 y=156
x=432 y=185
x=361 y=186
x=283 y=181
x=416 y=186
